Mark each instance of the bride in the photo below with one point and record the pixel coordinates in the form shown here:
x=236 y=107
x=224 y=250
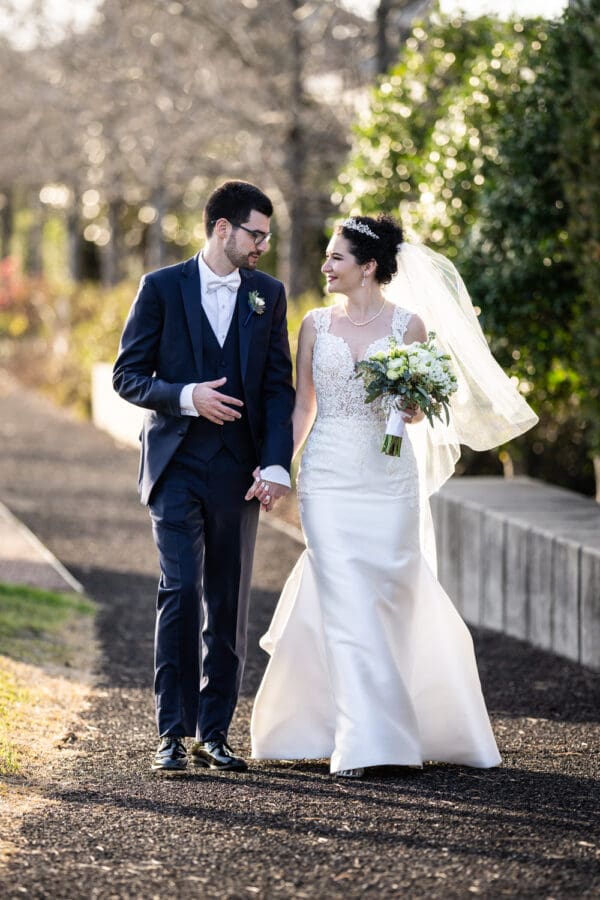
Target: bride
x=371 y=664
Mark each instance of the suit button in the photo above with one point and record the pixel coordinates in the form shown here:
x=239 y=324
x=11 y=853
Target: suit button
x=181 y=430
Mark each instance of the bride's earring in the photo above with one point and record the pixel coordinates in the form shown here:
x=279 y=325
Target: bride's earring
x=364 y=279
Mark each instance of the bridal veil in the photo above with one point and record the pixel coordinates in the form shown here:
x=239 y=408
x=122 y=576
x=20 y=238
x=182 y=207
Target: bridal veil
x=487 y=409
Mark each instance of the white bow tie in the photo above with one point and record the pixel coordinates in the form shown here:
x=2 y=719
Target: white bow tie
x=232 y=283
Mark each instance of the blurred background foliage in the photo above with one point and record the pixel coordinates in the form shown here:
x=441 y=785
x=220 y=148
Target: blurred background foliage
x=485 y=139
x=482 y=135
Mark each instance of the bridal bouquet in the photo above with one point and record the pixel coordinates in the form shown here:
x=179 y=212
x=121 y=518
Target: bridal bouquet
x=408 y=376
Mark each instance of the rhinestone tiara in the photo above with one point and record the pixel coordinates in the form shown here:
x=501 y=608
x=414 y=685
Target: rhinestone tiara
x=353 y=225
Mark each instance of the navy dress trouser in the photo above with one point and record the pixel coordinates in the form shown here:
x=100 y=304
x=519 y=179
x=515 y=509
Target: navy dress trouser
x=205 y=533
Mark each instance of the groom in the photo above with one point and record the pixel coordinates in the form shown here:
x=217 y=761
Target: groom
x=205 y=350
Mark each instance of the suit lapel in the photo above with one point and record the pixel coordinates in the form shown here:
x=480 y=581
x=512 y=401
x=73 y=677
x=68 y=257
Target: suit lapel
x=245 y=330
x=192 y=302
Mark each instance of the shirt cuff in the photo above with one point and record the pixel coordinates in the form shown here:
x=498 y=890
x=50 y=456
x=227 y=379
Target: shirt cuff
x=186 y=403
x=276 y=474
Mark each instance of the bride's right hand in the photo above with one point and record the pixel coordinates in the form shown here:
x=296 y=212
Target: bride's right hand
x=412 y=414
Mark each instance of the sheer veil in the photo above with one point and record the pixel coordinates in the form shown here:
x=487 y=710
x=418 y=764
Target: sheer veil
x=487 y=409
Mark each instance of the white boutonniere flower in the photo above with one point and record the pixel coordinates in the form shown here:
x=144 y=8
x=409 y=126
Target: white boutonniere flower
x=257 y=305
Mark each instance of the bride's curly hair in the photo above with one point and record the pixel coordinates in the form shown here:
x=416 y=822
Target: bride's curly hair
x=383 y=248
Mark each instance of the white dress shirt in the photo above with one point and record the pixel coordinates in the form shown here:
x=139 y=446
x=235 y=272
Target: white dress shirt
x=218 y=298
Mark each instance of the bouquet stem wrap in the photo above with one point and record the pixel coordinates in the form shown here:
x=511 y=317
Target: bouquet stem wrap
x=394 y=430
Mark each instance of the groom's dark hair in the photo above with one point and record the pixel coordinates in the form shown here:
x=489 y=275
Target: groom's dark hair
x=234 y=201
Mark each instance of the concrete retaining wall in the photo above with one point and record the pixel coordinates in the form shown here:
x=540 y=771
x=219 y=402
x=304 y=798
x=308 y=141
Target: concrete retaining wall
x=523 y=557
x=111 y=413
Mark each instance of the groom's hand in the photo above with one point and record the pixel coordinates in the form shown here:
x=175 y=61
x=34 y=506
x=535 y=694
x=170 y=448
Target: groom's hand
x=267 y=492
x=213 y=405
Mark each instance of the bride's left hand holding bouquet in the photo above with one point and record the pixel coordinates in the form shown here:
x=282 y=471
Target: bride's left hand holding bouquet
x=408 y=377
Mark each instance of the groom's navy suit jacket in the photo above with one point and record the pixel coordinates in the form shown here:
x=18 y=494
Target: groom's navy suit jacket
x=161 y=352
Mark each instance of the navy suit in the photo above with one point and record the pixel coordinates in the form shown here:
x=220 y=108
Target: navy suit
x=194 y=474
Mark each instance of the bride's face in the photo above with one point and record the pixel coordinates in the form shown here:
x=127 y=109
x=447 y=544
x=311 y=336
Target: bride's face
x=340 y=268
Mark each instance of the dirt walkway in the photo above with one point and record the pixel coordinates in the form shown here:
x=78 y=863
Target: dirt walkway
x=112 y=829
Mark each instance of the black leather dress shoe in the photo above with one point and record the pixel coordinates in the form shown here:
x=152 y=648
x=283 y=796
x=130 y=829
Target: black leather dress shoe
x=171 y=755
x=217 y=755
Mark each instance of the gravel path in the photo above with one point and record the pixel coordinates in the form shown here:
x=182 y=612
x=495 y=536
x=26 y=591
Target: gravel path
x=115 y=830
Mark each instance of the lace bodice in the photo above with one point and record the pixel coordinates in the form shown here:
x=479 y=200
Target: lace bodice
x=344 y=446
x=339 y=392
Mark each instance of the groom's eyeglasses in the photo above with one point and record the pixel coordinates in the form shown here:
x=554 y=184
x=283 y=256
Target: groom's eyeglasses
x=259 y=237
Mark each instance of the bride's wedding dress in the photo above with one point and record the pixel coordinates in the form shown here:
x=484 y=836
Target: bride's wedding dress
x=370 y=662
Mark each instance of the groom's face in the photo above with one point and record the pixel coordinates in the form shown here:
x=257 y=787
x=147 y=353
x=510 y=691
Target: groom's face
x=241 y=248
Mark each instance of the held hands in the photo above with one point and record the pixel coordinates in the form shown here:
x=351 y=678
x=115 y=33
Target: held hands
x=268 y=492
x=213 y=405
x=217 y=408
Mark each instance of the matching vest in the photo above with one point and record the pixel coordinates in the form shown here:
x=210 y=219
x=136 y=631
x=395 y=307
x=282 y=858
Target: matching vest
x=204 y=439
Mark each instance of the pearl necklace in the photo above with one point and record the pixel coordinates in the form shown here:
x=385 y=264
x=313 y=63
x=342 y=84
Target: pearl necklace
x=368 y=321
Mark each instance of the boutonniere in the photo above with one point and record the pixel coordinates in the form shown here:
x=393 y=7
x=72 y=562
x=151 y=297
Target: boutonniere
x=257 y=305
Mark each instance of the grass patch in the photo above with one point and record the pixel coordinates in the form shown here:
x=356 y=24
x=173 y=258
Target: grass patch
x=41 y=632
x=13 y=696
x=32 y=621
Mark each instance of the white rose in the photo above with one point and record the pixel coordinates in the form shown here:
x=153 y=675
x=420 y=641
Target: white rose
x=396 y=363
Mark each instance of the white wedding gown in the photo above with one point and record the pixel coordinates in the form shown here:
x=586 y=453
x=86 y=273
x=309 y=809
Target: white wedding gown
x=370 y=662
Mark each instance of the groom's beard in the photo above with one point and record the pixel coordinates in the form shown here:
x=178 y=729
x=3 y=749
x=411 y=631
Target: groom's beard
x=237 y=258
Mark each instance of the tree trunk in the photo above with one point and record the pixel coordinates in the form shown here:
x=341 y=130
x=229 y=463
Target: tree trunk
x=155 y=246
x=110 y=254
x=596 y=461
x=75 y=240
x=383 y=47
x=33 y=253
x=408 y=10
x=293 y=241
x=6 y=222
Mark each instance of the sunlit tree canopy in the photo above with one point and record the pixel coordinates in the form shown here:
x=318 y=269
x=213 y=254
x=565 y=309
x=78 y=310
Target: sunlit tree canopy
x=428 y=142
